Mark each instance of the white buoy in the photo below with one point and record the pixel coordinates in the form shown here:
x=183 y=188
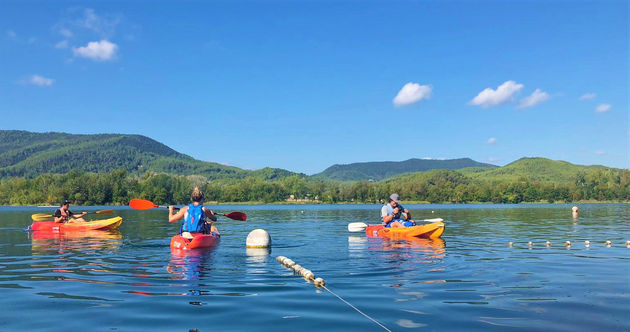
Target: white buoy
x=628 y=244
x=319 y=282
x=608 y=243
x=530 y=243
x=548 y=244
x=510 y=244
x=297 y=268
x=567 y=243
x=308 y=274
x=258 y=238
x=587 y=243
x=289 y=263
x=280 y=258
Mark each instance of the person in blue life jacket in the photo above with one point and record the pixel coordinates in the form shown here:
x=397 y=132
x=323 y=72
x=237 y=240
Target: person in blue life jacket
x=195 y=216
x=64 y=215
x=395 y=215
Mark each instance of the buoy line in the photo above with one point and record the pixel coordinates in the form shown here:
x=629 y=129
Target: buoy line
x=357 y=309
x=568 y=244
x=319 y=282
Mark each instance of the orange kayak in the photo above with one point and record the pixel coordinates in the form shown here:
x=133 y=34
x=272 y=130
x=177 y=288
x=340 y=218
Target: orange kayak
x=51 y=226
x=199 y=240
x=430 y=231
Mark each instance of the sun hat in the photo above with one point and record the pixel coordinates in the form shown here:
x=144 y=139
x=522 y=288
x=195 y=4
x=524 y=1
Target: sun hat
x=395 y=198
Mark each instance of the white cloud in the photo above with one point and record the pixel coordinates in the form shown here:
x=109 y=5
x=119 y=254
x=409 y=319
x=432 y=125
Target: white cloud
x=62 y=44
x=11 y=34
x=412 y=93
x=503 y=94
x=537 y=97
x=602 y=108
x=493 y=159
x=99 y=51
x=38 y=80
x=600 y=153
x=492 y=140
x=588 y=96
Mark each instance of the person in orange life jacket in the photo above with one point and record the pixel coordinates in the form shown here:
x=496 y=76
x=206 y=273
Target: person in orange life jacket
x=195 y=216
x=395 y=215
x=63 y=214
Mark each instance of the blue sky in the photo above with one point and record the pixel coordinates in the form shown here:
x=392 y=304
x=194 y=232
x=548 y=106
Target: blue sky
x=304 y=85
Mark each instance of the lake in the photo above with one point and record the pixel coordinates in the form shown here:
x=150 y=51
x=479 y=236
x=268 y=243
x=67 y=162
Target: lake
x=471 y=279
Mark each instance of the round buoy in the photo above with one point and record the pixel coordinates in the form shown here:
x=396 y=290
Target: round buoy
x=289 y=263
x=280 y=258
x=628 y=244
x=608 y=243
x=530 y=243
x=567 y=243
x=258 y=238
x=319 y=282
x=510 y=244
x=548 y=244
x=587 y=243
x=308 y=274
x=297 y=268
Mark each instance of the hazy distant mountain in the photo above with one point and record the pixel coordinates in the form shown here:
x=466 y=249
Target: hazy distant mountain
x=379 y=170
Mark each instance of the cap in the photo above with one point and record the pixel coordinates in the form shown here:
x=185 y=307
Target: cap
x=65 y=201
x=395 y=198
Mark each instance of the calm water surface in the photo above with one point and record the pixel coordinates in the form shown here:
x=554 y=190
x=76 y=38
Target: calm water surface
x=130 y=280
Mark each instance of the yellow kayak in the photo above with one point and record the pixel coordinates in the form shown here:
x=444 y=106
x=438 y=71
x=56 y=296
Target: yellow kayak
x=51 y=226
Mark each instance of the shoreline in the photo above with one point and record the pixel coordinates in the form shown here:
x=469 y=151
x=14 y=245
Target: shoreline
x=351 y=203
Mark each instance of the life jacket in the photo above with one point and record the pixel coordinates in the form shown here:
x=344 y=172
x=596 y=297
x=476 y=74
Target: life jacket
x=398 y=215
x=194 y=219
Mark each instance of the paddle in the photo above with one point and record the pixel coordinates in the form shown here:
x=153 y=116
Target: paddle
x=361 y=226
x=44 y=216
x=143 y=204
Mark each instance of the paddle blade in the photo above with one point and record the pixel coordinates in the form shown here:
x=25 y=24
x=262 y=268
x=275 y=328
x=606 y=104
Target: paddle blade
x=141 y=204
x=41 y=217
x=236 y=215
x=105 y=212
x=357 y=226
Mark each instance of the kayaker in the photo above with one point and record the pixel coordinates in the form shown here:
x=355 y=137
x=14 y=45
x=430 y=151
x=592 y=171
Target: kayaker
x=195 y=215
x=63 y=214
x=394 y=214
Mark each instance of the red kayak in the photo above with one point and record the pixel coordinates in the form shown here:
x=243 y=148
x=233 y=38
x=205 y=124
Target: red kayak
x=199 y=240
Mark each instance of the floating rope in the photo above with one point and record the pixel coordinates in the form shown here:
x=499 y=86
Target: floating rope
x=319 y=282
x=357 y=309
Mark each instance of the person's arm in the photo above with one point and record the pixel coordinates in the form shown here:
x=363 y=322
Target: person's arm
x=386 y=217
x=58 y=217
x=210 y=214
x=173 y=217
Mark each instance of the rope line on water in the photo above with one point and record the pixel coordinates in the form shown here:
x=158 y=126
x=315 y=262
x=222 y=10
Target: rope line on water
x=357 y=309
x=319 y=282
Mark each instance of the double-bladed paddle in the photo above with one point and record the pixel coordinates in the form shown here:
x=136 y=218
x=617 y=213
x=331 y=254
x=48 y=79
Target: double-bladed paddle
x=45 y=216
x=143 y=204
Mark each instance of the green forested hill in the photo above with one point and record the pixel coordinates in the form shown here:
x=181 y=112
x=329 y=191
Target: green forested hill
x=27 y=154
x=535 y=170
x=381 y=170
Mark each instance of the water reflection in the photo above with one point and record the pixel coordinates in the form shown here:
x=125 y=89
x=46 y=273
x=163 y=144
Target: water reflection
x=192 y=264
x=68 y=241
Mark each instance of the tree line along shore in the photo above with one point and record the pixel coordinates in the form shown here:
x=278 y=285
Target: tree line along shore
x=436 y=186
